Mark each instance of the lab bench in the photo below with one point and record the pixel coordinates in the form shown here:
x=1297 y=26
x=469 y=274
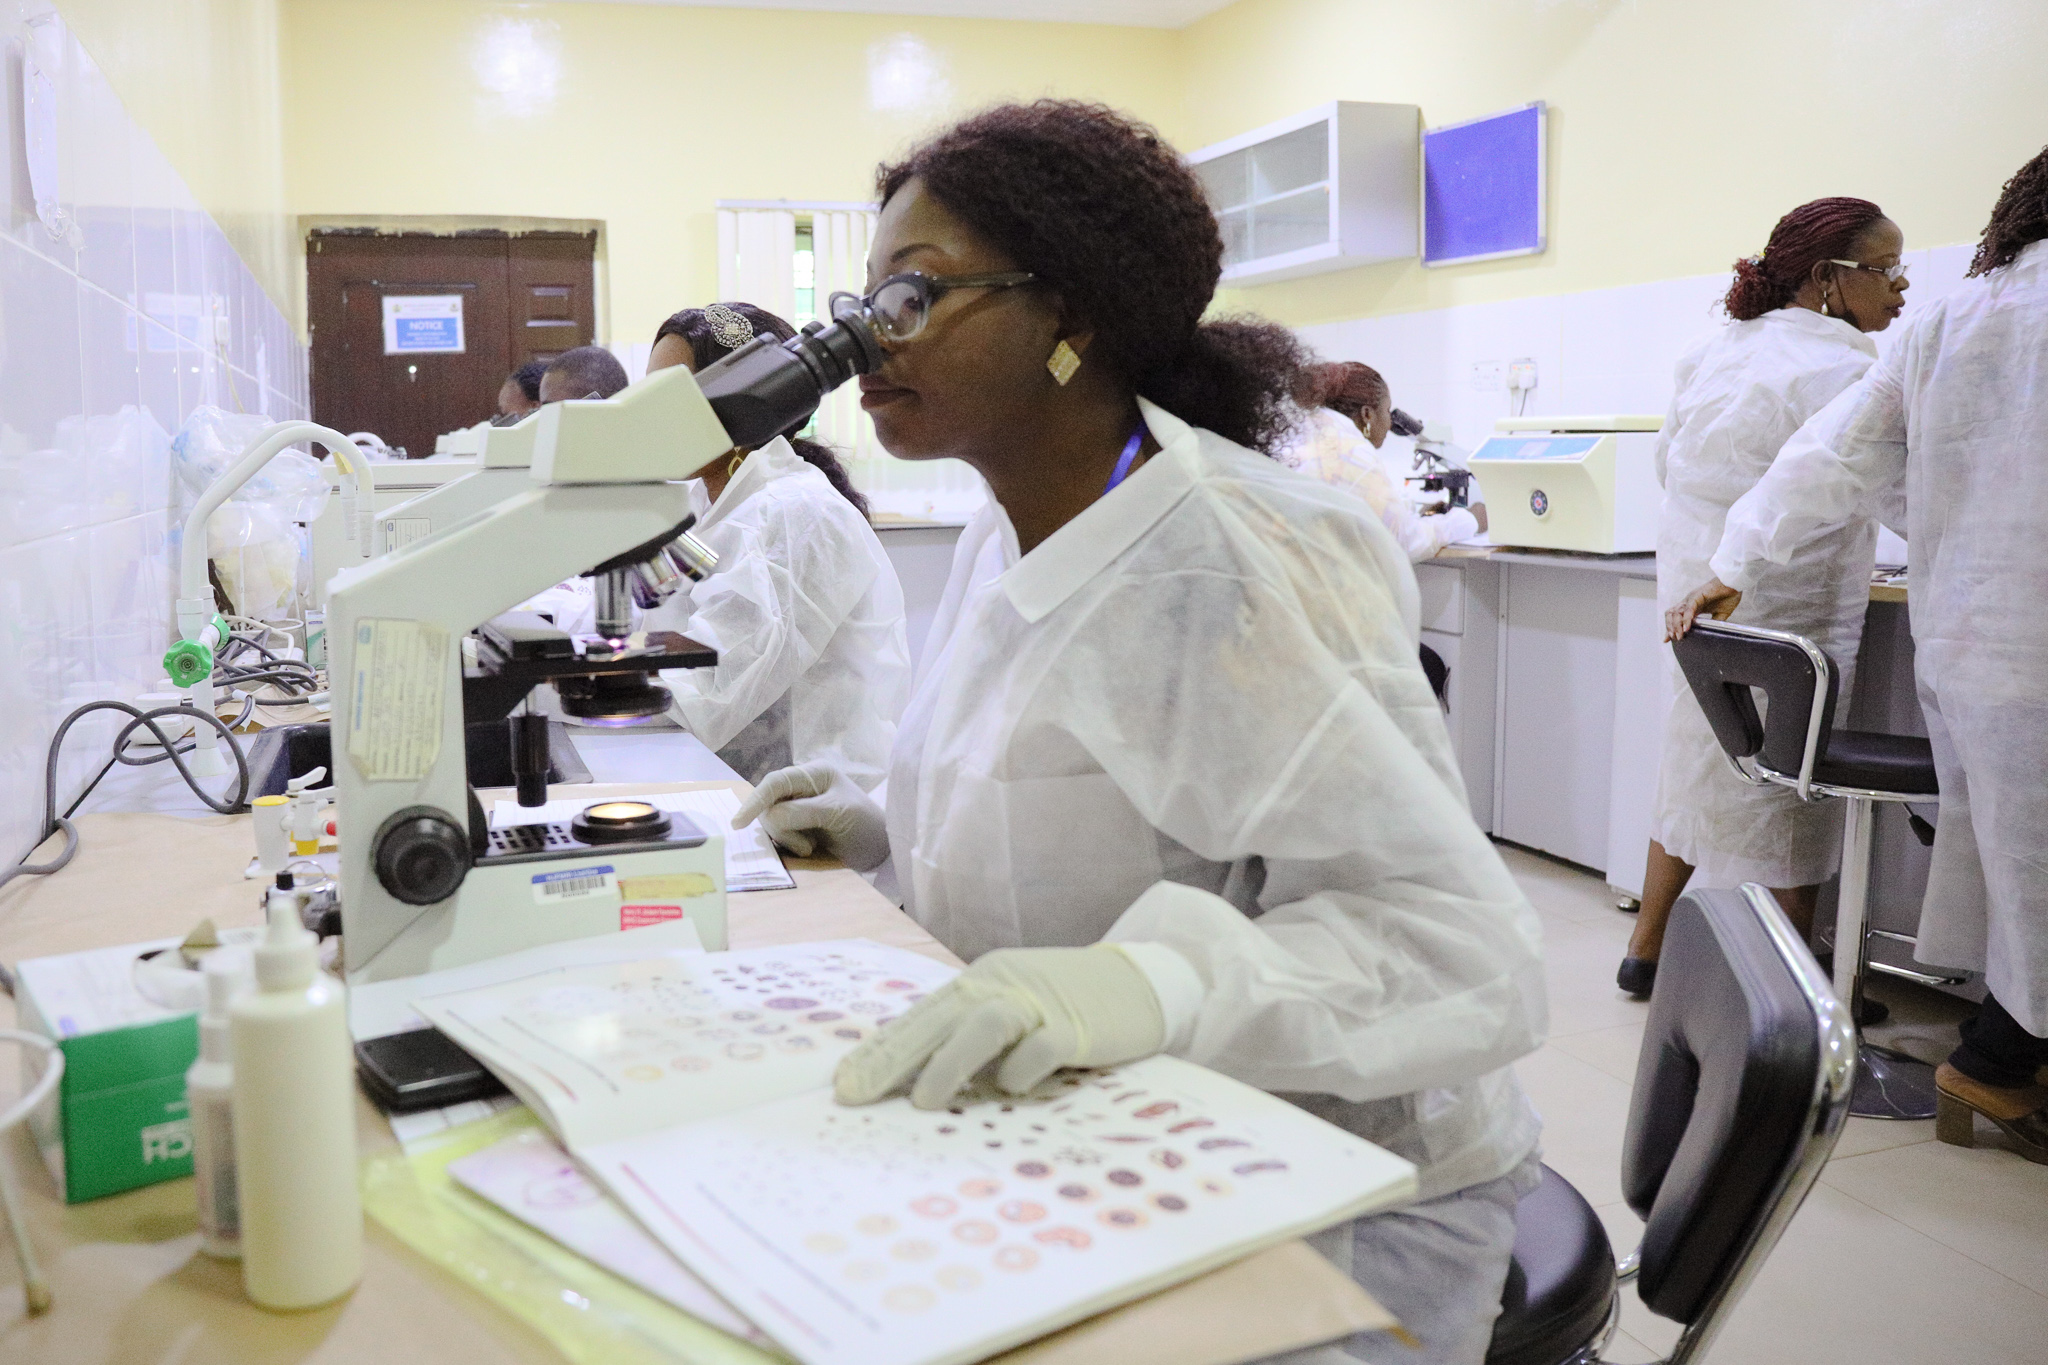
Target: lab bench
x=1559 y=684
x=129 y=1280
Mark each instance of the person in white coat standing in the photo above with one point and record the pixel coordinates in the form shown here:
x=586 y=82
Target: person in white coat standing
x=1959 y=408
x=804 y=610
x=1172 y=777
x=1801 y=315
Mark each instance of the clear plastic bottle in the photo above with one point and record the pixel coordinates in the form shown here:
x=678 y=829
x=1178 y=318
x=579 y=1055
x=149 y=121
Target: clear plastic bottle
x=209 y=1091
x=294 y=1124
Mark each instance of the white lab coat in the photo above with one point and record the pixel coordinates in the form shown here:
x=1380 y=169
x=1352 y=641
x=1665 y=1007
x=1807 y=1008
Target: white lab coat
x=1209 y=678
x=1330 y=447
x=1740 y=394
x=807 y=617
x=570 y=605
x=1959 y=407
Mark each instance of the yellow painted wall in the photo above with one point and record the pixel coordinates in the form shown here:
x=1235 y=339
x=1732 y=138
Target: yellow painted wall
x=201 y=76
x=643 y=116
x=1681 y=130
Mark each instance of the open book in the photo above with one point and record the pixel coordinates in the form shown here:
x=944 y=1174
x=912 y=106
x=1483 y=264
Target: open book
x=697 y=1091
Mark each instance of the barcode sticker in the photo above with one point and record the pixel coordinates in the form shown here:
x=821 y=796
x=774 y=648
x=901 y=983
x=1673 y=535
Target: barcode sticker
x=575 y=883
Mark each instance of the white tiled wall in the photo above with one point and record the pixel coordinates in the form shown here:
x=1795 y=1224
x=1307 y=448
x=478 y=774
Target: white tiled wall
x=109 y=337
x=1601 y=351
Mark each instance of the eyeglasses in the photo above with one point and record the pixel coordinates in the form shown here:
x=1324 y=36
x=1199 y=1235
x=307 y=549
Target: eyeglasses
x=899 y=306
x=1893 y=273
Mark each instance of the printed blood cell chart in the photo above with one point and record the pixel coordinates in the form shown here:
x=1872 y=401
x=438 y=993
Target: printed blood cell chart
x=905 y=1210
x=718 y=1012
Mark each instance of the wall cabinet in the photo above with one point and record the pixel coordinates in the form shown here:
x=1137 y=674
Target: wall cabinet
x=1334 y=187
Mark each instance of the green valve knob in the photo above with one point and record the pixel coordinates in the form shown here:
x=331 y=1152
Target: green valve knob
x=188 y=662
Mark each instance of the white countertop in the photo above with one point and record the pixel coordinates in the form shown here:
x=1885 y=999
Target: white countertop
x=1641 y=565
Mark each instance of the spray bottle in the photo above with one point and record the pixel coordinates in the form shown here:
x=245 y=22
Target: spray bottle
x=294 y=1123
x=208 y=1089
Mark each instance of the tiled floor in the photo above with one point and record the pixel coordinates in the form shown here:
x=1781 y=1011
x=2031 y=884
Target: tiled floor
x=1908 y=1252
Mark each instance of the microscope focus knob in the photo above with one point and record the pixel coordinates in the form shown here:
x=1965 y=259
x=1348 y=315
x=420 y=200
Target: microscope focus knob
x=421 y=855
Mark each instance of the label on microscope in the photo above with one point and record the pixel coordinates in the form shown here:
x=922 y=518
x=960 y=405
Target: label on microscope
x=575 y=884
x=395 y=706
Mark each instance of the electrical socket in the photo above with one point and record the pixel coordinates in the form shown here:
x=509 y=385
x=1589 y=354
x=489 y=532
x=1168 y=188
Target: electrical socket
x=1522 y=374
x=1489 y=376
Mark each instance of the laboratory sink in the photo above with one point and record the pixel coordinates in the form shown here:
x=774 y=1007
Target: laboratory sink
x=276 y=756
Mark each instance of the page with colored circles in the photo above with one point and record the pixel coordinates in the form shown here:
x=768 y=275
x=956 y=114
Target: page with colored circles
x=607 y=1051
x=888 y=1235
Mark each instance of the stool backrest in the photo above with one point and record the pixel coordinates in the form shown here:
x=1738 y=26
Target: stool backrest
x=1722 y=661
x=1742 y=1087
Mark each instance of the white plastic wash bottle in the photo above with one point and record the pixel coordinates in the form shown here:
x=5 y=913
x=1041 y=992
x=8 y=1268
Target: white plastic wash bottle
x=208 y=1089
x=294 y=1124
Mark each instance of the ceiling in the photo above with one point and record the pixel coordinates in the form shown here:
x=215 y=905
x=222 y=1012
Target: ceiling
x=1140 y=13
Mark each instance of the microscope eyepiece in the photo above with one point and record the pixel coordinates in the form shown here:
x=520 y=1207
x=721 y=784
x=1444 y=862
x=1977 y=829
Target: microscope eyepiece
x=768 y=388
x=1401 y=424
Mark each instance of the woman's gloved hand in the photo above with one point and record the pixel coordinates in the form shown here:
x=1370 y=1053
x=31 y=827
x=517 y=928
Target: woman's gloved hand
x=1044 y=1007
x=815 y=808
x=1714 y=598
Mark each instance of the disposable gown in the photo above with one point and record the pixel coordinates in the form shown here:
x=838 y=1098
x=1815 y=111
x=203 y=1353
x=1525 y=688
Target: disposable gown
x=1209 y=677
x=1330 y=447
x=807 y=617
x=1959 y=407
x=1740 y=394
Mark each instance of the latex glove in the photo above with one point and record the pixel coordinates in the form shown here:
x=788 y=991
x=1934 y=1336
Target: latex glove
x=1044 y=1007
x=814 y=807
x=1714 y=598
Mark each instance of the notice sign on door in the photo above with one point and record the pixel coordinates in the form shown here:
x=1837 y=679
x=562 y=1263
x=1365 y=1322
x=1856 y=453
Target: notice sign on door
x=423 y=324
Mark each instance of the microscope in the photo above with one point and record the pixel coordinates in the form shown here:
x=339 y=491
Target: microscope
x=421 y=642
x=1438 y=468
x=505 y=459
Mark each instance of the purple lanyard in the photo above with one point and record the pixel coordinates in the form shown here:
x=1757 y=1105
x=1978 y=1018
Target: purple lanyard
x=1123 y=461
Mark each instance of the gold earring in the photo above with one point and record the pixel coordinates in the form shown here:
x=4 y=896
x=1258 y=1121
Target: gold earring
x=1063 y=362
x=732 y=466
x=1824 y=302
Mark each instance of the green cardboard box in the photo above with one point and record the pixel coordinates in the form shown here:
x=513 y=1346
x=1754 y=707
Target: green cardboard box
x=119 y=1119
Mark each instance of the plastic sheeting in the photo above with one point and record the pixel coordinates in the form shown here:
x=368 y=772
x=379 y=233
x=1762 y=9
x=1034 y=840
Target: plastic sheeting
x=592 y=1316
x=257 y=539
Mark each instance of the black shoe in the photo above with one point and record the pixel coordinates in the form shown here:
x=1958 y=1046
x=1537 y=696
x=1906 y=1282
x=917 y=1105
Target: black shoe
x=1637 y=976
x=1872 y=1012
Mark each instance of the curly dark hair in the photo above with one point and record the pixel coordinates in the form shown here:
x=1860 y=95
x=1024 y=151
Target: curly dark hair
x=527 y=377
x=1100 y=208
x=1822 y=230
x=699 y=335
x=2018 y=220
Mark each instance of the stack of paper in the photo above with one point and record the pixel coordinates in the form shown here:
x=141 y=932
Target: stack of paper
x=696 y=1092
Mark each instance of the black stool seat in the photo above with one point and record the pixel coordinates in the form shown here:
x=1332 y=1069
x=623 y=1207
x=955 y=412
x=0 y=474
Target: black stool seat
x=1560 y=1284
x=1876 y=762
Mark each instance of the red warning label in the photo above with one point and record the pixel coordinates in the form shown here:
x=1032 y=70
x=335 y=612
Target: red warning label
x=640 y=916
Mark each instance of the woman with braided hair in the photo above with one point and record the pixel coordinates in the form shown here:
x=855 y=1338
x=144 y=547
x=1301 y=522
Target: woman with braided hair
x=1958 y=410
x=1800 y=318
x=805 y=609
x=1172 y=778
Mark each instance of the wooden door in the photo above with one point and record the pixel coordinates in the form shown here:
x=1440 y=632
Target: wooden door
x=491 y=302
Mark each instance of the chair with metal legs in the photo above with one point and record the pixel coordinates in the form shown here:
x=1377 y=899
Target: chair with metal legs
x=1795 y=745
x=1742 y=1087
